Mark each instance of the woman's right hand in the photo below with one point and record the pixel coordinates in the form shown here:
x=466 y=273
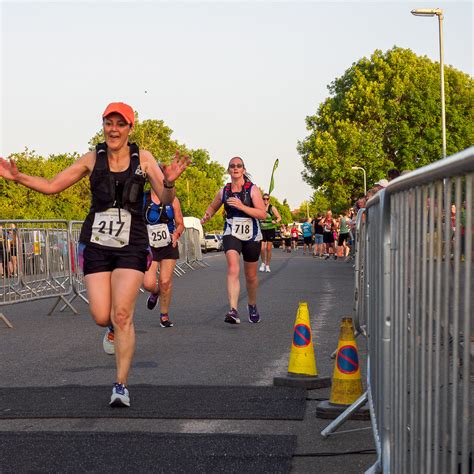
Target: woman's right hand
x=8 y=169
x=205 y=218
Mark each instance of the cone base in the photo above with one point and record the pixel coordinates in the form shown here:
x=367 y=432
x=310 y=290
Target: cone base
x=330 y=411
x=300 y=380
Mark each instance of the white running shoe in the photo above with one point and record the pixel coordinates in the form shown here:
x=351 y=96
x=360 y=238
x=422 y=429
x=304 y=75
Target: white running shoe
x=267 y=268
x=120 y=396
x=262 y=267
x=108 y=341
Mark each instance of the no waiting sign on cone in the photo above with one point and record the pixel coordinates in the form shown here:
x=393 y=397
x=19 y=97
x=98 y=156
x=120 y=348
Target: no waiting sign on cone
x=346 y=380
x=302 y=371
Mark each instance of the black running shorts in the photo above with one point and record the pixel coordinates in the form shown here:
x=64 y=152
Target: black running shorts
x=165 y=253
x=249 y=249
x=342 y=238
x=97 y=260
x=268 y=235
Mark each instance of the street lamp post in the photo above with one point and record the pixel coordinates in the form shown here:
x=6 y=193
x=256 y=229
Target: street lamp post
x=439 y=13
x=365 y=177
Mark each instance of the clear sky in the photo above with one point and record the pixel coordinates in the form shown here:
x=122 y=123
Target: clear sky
x=235 y=78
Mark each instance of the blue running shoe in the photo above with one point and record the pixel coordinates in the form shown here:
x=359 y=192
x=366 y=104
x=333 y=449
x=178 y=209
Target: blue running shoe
x=232 y=317
x=254 y=316
x=120 y=396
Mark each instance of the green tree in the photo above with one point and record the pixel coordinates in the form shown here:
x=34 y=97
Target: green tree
x=195 y=188
x=19 y=202
x=383 y=113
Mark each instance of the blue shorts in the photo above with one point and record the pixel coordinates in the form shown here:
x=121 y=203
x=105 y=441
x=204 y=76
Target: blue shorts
x=318 y=239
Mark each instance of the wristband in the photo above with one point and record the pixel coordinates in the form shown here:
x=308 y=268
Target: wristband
x=167 y=185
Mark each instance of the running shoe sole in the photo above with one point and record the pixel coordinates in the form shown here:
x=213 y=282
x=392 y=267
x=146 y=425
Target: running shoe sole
x=109 y=347
x=231 y=320
x=119 y=401
x=151 y=304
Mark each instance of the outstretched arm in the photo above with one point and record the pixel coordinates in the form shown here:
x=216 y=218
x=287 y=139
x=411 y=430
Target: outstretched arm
x=162 y=182
x=63 y=180
x=213 y=207
x=179 y=221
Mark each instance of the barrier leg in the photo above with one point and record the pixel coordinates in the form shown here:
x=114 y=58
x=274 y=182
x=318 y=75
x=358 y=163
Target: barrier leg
x=8 y=324
x=71 y=307
x=334 y=425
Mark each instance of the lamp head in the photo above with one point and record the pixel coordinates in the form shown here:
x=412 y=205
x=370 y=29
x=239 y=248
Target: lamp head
x=427 y=12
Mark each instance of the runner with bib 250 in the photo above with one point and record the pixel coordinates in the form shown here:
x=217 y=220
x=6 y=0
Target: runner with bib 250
x=244 y=207
x=165 y=226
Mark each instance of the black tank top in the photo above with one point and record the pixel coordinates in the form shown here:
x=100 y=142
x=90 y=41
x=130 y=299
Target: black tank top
x=138 y=232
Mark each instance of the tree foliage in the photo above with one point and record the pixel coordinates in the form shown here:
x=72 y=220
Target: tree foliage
x=384 y=112
x=195 y=188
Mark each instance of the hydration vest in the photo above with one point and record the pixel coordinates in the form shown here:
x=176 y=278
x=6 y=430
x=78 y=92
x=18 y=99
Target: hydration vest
x=243 y=195
x=104 y=186
x=156 y=214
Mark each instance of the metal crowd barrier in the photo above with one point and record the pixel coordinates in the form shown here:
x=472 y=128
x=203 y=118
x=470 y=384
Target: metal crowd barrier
x=39 y=259
x=415 y=298
x=34 y=261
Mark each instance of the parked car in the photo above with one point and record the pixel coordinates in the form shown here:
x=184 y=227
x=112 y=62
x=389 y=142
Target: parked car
x=212 y=242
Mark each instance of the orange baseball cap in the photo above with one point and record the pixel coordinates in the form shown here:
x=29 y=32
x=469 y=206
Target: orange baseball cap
x=120 y=108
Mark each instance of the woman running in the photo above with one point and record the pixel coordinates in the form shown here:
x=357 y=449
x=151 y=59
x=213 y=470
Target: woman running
x=113 y=245
x=268 y=226
x=244 y=207
x=165 y=226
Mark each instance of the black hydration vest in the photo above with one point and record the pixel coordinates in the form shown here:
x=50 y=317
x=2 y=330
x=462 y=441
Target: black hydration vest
x=104 y=186
x=243 y=195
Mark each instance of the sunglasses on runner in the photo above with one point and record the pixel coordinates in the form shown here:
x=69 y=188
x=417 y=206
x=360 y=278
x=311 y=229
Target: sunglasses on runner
x=236 y=165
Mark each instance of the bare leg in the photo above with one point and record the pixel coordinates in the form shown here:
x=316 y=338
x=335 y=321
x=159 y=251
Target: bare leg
x=251 y=280
x=233 y=283
x=166 y=283
x=125 y=286
x=150 y=282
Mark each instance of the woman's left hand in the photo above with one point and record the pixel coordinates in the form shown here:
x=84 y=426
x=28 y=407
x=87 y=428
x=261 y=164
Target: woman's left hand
x=172 y=171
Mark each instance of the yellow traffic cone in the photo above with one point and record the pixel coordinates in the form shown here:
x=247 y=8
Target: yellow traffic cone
x=302 y=370
x=346 y=381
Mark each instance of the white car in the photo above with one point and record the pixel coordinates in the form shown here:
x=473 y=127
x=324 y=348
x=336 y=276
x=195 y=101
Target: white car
x=211 y=242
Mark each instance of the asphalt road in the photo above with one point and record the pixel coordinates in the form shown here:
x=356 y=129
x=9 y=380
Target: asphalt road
x=200 y=349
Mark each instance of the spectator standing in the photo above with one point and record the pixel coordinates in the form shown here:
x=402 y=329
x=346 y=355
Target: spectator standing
x=307 y=230
x=318 y=236
x=329 y=226
x=343 y=239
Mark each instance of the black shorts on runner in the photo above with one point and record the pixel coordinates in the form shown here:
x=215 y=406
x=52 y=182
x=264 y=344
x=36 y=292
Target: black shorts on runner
x=95 y=260
x=250 y=249
x=308 y=240
x=165 y=253
x=268 y=235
